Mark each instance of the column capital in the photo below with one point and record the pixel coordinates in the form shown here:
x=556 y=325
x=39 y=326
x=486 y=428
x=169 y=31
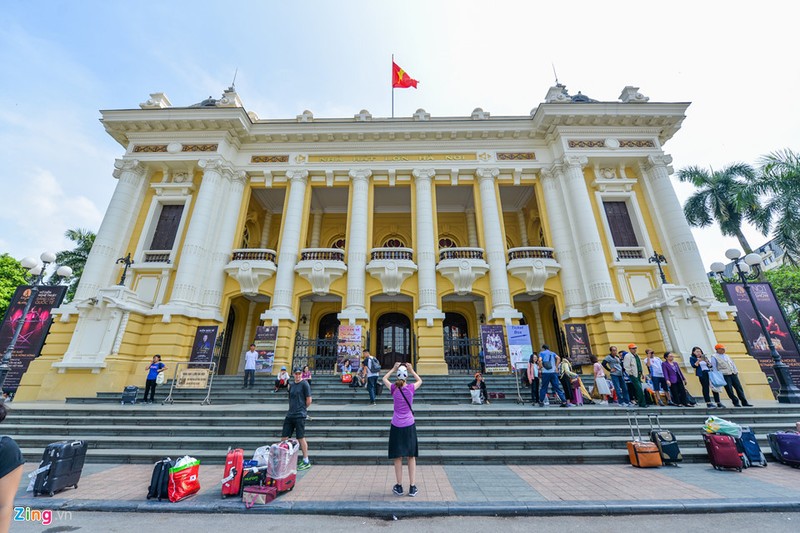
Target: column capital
x=297 y=176
x=662 y=160
x=487 y=173
x=216 y=163
x=573 y=161
x=239 y=176
x=546 y=174
x=128 y=165
x=360 y=174
x=423 y=173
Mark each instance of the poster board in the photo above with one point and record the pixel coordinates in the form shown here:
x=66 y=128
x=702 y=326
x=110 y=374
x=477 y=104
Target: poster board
x=265 y=340
x=580 y=350
x=519 y=346
x=494 y=348
x=349 y=346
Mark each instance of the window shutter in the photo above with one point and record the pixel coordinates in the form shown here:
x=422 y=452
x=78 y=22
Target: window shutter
x=619 y=221
x=167 y=227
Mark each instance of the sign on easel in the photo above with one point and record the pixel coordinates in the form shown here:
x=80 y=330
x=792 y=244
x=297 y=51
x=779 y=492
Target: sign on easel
x=192 y=378
x=519 y=346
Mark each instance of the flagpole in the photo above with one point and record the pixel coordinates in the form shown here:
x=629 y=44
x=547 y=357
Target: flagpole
x=392 y=85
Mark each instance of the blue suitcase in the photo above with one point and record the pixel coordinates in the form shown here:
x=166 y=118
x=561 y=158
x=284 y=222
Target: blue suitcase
x=750 y=449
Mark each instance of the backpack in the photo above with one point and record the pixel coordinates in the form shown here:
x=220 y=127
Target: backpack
x=373 y=365
x=547 y=363
x=159 y=481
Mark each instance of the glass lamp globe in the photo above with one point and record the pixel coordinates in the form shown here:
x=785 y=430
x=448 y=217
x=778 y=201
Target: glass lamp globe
x=733 y=254
x=752 y=259
x=47 y=257
x=745 y=268
x=718 y=267
x=28 y=263
x=64 y=272
x=36 y=270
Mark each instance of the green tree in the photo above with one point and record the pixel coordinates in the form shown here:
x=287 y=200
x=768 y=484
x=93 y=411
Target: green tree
x=75 y=258
x=725 y=197
x=786 y=283
x=716 y=287
x=779 y=182
x=12 y=275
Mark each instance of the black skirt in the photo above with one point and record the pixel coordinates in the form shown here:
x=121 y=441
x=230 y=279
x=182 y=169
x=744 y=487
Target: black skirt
x=403 y=442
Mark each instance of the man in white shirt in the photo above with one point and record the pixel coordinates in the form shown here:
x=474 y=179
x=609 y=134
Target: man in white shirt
x=732 y=384
x=250 y=357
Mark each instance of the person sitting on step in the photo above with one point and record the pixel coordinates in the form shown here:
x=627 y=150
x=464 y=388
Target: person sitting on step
x=282 y=381
x=478 y=384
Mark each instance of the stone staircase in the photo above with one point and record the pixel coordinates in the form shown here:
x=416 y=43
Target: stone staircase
x=345 y=429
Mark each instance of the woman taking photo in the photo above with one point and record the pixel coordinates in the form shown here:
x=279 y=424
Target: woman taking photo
x=403 y=431
x=702 y=367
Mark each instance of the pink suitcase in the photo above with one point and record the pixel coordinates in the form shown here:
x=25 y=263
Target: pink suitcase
x=723 y=452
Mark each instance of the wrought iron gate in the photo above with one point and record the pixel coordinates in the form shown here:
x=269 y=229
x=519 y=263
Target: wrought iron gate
x=318 y=354
x=462 y=354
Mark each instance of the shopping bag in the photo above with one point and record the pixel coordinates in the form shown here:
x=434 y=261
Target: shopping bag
x=476 y=396
x=721 y=426
x=347 y=378
x=184 y=478
x=716 y=378
x=257 y=494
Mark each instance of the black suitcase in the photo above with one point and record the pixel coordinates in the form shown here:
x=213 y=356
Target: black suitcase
x=129 y=394
x=63 y=462
x=159 y=481
x=665 y=440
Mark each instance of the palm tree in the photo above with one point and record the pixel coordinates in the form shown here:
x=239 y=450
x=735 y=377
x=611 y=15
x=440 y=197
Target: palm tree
x=725 y=196
x=75 y=258
x=779 y=181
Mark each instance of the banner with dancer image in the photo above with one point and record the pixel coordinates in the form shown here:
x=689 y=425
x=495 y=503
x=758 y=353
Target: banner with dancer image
x=35 y=327
x=265 y=340
x=519 y=346
x=771 y=314
x=494 y=348
x=349 y=347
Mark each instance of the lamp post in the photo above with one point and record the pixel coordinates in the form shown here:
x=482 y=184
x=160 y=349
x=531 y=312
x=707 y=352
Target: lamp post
x=659 y=259
x=37 y=270
x=748 y=268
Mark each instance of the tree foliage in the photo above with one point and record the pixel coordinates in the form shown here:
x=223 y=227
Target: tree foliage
x=75 y=258
x=786 y=283
x=12 y=275
x=778 y=183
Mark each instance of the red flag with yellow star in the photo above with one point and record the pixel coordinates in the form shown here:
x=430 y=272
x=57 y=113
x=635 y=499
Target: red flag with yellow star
x=401 y=79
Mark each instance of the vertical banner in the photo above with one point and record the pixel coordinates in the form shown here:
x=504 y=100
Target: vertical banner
x=578 y=342
x=34 y=330
x=266 y=339
x=494 y=348
x=772 y=315
x=203 y=346
x=519 y=346
x=349 y=346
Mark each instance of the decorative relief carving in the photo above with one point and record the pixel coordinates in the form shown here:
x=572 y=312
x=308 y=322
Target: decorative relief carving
x=269 y=159
x=485 y=156
x=300 y=159
x=149 y=148
x=199 y=148
x=586 y=144
x=516 y=156
x=645 y=143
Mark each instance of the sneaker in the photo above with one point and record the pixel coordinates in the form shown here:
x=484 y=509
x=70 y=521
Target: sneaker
x=721 y=406
x=565 y=404
x=747 y=405
x=305 y=465
x=603 y=402
x=398 y=490
x=540 y=404
x=373 y=403
x=711 y=406
x=412 y=490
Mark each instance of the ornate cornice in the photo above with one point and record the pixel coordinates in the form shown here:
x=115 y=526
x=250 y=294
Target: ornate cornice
x=269 y=159
x=149 y=148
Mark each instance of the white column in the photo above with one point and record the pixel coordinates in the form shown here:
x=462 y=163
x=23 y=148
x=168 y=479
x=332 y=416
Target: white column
x=426 y=247
x=537 y=316
x=495 y=250
x=111 y=236
x=281 y=305
x=589 y=245
x=197 y=247
x=523 y=228
x=265 y=228
x=685 y=261
x=472 y=230
x=224 y=241
x=316 y=227
x=357 y=247
x=563 y=244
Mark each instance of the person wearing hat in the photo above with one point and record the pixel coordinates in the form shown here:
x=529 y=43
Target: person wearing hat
x=403 y=431
x=295 y=421
x=282 y=381
x=633 y=366
x=733 y=387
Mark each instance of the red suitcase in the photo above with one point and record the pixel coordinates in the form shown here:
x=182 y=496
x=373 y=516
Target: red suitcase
x=282 y=484
x=723 y=452
x=232 y=482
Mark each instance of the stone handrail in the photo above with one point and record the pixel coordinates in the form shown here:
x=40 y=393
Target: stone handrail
x=460 y=253
x=530 y=252
x=322 y=254
x=379 y=254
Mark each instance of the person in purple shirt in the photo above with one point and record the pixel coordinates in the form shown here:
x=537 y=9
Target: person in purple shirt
x=675 y=380
x=403 y=432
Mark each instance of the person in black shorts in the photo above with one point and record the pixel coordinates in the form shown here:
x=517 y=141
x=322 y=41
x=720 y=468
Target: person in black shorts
x=295 y=421
x=11 y=462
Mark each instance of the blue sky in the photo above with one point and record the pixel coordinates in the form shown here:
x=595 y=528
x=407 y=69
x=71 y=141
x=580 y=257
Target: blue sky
x=62 y=61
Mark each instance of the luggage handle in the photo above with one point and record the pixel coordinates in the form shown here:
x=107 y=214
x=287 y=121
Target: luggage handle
x=231 y=475
x=638 y=429
x=650 y=417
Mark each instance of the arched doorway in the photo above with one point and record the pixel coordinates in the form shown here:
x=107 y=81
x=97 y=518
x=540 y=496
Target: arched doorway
x=394 y=339
x=560 y=339
x=226 y=335
x=460 y=351
x=327 y=339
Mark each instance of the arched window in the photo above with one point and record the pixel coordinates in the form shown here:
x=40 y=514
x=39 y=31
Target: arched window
x=447 y=241
x=338 y=243
x=393 y=242
x=455 y=325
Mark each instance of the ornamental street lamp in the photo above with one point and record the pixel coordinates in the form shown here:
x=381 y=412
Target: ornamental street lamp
x=36 y=270
x=659 y=259
x=748 y=269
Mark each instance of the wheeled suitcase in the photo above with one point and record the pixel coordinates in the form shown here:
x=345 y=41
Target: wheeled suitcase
x=232 y=480
x=282 y=465
x=723 y=452
x=750 y=449
x=129 y=394
x=252 y=474
x=641 y=454
x=785 y=446
x=665 y=440
x=61 y=467
x=159 y=480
